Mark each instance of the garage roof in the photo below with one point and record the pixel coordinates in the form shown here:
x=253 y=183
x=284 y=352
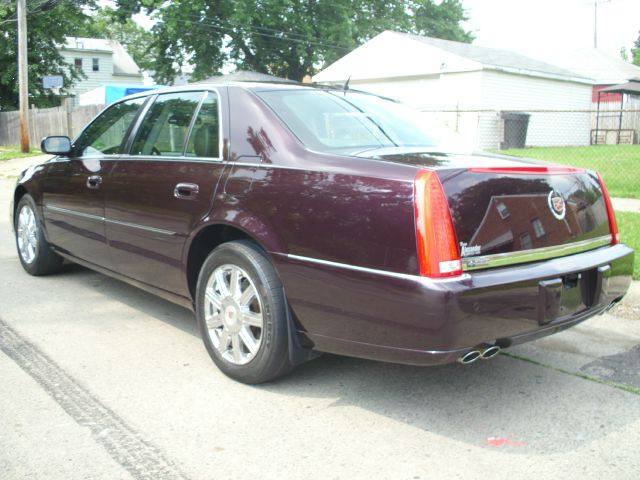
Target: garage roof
x=400 y=55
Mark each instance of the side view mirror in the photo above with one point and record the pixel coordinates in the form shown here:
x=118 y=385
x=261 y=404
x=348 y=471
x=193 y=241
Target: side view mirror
x=56 y=145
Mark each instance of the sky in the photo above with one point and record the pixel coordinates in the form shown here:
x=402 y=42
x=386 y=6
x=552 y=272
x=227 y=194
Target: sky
x=543 y=28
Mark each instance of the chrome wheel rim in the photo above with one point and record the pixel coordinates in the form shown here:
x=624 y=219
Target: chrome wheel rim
x=27 y=234
x=233 y=314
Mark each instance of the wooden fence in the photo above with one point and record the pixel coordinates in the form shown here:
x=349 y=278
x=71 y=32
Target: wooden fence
x=46 y=121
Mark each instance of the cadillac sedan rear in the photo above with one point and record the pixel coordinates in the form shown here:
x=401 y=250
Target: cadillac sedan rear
x=295 y=220
x=445 y=256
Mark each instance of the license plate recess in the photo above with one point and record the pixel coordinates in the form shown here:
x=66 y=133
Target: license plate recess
x=562 y=297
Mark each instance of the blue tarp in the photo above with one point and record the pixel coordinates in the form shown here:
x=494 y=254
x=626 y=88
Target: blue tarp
x=116 y=92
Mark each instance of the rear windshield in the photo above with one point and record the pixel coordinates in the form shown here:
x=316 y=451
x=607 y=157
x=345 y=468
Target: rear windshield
x=334 y=122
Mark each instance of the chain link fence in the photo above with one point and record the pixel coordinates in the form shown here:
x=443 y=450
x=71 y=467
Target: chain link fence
x=606 y=140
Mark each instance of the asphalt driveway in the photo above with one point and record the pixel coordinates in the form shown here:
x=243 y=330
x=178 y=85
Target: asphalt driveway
x=102 y=380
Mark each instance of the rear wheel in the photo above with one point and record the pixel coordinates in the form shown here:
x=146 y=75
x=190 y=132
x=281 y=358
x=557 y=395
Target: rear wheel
x=35 y=253
x=242 y=313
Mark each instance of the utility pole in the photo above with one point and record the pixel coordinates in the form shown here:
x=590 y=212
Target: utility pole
x=595 y=21
x=23 y=76
x=595 y=24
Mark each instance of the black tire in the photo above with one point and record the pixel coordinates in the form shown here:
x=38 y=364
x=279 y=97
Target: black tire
x=39 y=259
x=233 y=313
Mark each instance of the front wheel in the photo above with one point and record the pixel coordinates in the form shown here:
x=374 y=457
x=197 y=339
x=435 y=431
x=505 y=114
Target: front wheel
x=35 y=253
x=242 y=313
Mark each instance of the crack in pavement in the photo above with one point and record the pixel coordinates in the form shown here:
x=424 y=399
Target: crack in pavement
x=140 y=458
x=620 y=386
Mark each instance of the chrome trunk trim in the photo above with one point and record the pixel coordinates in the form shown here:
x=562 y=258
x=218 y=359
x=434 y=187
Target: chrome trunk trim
x=533 y=255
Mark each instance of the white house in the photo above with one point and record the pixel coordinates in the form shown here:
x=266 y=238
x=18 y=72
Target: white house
x=467 y=86
x=102 y=61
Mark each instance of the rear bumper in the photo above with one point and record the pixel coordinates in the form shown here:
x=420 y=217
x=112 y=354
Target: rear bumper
x=416 y=320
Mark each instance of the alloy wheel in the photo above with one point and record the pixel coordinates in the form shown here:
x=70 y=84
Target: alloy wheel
x=233 y=314
x=27 y=234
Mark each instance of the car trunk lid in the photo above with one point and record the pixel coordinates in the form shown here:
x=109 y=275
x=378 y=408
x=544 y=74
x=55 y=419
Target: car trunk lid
x=507 y=211
x=507 y=215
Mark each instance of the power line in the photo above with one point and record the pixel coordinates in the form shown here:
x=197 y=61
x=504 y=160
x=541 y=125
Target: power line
x=40 y=7
x=284 y=36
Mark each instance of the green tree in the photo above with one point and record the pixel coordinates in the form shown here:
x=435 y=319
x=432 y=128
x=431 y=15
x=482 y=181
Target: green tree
x=105 y=23
x=635 y=52
x=48 y=22
x=287 y=38
x=442 y=21
x=623 y=54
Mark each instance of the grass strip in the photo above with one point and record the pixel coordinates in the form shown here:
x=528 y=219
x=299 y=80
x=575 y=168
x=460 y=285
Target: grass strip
x=618 y=164
x=7 y=153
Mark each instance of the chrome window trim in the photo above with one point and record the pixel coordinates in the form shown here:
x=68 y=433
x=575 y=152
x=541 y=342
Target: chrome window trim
x=98 y=218
x=167 y=158
x=533 y=255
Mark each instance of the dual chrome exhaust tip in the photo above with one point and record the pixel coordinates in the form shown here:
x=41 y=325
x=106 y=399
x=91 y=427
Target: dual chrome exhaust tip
x=483 y=352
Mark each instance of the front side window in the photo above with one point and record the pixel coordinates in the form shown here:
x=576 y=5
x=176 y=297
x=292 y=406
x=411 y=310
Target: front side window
x=165 y=127
x=334 y=122
x=77 y=62
x=96 y=65
x=205 y=135
x=105 y=134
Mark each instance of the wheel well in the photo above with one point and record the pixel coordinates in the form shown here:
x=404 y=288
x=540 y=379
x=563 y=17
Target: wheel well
x=208 y=239
x=17 y=195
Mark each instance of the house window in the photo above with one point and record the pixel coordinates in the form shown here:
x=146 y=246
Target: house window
x=78 y=63
x=96 y=65
x=525 y=241
x=502 y=210
x=537 y=227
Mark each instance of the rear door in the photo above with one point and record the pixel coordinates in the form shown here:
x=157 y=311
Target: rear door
x=73 y=189
x=164 y=187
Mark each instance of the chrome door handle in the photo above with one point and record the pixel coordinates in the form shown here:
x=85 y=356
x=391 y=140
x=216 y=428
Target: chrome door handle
x=186 y=191
x=94 y=181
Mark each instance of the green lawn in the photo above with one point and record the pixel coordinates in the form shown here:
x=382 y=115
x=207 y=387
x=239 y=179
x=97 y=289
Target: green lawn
x=629 y=228
x=619 y=165
x=7 y=153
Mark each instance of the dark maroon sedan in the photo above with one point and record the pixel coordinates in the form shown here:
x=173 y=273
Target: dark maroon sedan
x=296 y=220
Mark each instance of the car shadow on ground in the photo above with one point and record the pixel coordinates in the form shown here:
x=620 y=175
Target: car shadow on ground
x=135 y=298
x=505 y=402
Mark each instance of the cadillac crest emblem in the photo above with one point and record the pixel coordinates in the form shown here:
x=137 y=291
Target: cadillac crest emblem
x=557 y=205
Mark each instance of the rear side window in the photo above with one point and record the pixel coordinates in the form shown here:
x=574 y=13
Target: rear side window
x=164 y=130
x=205 y=135
x=105 y=134
x=331 y=121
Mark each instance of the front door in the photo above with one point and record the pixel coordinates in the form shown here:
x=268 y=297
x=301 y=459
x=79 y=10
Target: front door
x=73 y=190
x=158 y=193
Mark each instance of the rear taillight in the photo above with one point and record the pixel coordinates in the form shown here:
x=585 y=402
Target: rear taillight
x=613 y=226
x=438 y=253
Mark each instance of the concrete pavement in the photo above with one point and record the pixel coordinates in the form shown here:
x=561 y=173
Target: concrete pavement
x=102 y=380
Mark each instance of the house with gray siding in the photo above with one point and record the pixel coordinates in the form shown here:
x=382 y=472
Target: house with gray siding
x=465 y=88
x=102 y=61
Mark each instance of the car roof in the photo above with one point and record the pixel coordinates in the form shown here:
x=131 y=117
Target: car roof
x=253 y=86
